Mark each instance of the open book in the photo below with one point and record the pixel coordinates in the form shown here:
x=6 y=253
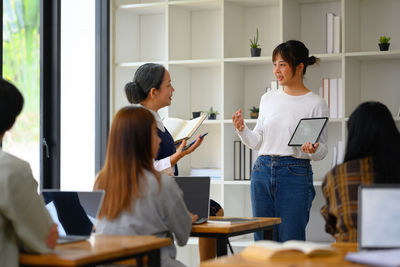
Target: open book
x=183 y=129
x=271 y=250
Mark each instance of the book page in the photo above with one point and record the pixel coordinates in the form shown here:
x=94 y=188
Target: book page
x=269 y=250
x=174 y=126
x=308 y=247
x=189 y=128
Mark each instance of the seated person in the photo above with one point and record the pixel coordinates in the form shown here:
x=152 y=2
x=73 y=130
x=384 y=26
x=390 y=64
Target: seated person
x=372 y=156
x=24 y=221
x=138 y=199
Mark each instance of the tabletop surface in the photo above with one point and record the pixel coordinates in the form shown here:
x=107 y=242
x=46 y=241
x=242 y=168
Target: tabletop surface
x=234 y=227
x=97 y=248
x=320 y=261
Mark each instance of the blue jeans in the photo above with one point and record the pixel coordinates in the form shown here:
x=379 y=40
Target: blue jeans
x=283 y=187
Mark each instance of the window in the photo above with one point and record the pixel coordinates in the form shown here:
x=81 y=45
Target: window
x=77 y=94
x=21 y=66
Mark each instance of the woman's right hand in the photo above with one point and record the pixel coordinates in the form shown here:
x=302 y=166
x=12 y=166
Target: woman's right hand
x=181 y=152
x=194 y=217
x=52 y=236
x=237 y=120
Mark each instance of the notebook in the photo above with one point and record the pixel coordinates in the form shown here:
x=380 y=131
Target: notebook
x=379 y=216
x=74 y=212
x=196 y=194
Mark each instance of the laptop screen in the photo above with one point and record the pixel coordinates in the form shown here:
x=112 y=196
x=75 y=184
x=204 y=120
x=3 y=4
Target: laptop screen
x=196 y=194
x=379 y=216
x=74 y=212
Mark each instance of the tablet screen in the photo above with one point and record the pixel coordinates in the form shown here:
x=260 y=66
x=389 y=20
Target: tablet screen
x=307 y=130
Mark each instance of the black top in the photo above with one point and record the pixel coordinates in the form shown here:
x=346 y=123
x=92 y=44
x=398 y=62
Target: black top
x=167 y=147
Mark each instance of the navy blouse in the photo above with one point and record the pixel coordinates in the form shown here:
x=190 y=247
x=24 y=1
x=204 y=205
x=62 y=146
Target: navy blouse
x=167 y=147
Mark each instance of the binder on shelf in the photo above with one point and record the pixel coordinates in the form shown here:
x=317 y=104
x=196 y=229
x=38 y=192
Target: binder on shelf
x=329 y=33
x=247 y=163
x=340 y=98
x=243 y=162
x=325 y=86
x=337 y=40
x=237 y=152
x=333 y=98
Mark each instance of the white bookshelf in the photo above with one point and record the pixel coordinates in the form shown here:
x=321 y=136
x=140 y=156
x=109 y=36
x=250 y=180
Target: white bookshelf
x=205 y=46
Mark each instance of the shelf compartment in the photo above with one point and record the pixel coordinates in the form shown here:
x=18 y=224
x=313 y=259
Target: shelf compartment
x=237 y=201
x=367 y=20
x=244 y=85
x=242 y=18
x=196 y=89
x=372 y=80
x=194 y=33
x=306 y=21
x=203 y=157
x=140 y=33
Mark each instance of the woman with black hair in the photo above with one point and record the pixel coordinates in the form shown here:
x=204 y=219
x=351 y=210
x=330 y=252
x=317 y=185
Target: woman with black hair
x=281 y=180
x=372 y=156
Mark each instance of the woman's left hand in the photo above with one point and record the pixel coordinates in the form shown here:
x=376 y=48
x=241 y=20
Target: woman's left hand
x=309 y=147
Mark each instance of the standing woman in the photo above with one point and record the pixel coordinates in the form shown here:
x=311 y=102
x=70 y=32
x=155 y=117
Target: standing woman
x=151 y=88
x=281 y=180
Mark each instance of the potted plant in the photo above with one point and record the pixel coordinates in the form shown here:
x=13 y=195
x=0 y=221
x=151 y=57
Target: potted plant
x=254 y=112
x=254 y=46
x=212 y=114
x=384 y=43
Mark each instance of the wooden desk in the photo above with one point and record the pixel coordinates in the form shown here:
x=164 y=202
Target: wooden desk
x=328 y=261
x=222 y=231
x=100 y=249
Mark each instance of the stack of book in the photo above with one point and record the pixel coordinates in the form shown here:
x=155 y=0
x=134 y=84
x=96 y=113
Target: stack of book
x=215 y=174
x=333 y=33
x=332 y=92
x=244 y=158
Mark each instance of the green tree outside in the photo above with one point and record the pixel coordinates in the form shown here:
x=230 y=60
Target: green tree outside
x=21 y=66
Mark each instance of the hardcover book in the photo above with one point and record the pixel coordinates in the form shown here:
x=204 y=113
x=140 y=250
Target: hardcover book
x=183 y=129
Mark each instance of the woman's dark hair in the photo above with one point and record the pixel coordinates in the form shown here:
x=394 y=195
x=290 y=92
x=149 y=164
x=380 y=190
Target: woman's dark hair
x=294 y=52
x=11 y=103
x=147 y=76
x=372 y=132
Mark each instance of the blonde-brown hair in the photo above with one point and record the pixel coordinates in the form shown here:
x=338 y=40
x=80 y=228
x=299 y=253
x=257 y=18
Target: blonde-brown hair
x=129 y=153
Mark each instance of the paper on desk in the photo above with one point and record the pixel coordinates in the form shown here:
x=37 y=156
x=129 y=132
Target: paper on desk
x=385 y=258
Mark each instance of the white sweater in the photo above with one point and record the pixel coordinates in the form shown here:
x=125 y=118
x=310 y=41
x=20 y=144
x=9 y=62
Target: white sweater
x=278 y=117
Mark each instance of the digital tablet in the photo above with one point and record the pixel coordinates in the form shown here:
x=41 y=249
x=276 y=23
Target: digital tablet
x=307 y=130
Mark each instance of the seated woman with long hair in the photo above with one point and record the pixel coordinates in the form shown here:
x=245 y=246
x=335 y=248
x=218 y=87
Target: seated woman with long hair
x=372 y=157
x=138 y=200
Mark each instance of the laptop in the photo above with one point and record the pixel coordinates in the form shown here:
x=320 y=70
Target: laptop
x=196 y=194
x=378 y=217
x=74 y=212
